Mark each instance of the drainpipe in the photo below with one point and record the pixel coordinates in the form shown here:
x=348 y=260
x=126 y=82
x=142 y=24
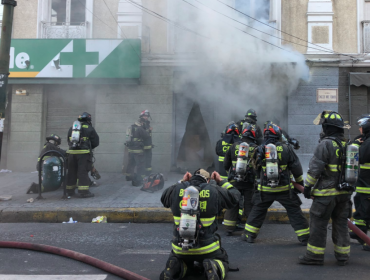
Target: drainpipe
x=349 y=106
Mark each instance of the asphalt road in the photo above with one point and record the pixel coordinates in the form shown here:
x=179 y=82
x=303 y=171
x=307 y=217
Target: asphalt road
x=144 y=248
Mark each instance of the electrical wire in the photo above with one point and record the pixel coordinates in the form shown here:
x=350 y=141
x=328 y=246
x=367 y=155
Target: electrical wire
x=321 y=48
x=168 y=20
x=331 y=51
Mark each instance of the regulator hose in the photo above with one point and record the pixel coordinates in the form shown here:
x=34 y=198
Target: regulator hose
x=351 y=226
x=113 y=269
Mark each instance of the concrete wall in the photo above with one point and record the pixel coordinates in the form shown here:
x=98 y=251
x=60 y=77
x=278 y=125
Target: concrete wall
x=294 y=21
x=345 y=26
x=359 y=98
x=104 y=24
x=26 y=129
x=25 y=20
x=303 y=109
x=118 y=107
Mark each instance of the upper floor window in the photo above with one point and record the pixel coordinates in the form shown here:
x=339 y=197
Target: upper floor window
x=65 y=18
x=73 y=12
x=258 y=9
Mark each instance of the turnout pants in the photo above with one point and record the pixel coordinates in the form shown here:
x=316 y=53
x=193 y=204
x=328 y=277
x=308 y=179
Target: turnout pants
x=220 y=258
x=338 y=208
x=221 y=170
x=231 y=215
x=136 y=160
x=148 y=160
x=78 y=169
x=361 y=217
x=292 y=206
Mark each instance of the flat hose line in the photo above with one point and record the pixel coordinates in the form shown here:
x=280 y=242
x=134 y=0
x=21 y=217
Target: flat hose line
x=113 y=269
x=351 y=226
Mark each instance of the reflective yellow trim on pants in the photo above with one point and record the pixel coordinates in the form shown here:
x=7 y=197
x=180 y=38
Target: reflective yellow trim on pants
x=363 y=190
x=277 y=189
x=83 y=188
x=206 y=222
x=342 y=250
x=222 y=268
x=328 y=192
x=229 y=223
x=240 y=211
x=176 y=220
x=221 y=158
x=199 y=251
x=227 y=185
x=251 y=228
x=72 y=187
x=147 y=147
x=315 y=250
x=136 y=151
x=78 y=152
x=302 y=231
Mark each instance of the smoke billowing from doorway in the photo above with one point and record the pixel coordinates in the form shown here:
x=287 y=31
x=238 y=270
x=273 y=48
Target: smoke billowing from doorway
x=233 y=68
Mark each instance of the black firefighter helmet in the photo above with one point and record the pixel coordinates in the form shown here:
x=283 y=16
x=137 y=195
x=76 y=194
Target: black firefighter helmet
x=364 y=122
x=251 y=114
x=54 y=139
x=249 y=131
x=145 y=113
x=232 y=128
x=272 y=130
x=85 y=117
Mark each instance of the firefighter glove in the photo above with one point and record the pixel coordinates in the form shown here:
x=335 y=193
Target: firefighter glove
x=307 y=192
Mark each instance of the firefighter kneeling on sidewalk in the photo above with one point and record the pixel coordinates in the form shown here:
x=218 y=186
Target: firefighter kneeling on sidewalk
x=82 y=139
x=195 y=203
x=332 y=196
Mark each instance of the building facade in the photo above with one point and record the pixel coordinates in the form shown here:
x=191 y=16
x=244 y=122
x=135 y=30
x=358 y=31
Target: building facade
x=115 y=58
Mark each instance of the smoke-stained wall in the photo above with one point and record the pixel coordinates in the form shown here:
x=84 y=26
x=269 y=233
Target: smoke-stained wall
x=303 y=109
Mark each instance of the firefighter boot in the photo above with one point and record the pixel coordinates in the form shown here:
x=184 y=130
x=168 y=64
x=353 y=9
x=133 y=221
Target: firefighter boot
x=85 y=194
x=355 y=236
x=366 y=247
x=211 y=270
x=249 y=238
x=307 y=261
x=34 y=188
x=172 y=270
x=71 y=192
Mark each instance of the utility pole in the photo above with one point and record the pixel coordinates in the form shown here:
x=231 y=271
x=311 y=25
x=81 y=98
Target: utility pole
x=6 y=37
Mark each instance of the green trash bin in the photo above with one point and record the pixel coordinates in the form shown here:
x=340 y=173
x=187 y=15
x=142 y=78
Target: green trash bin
x=52 y=174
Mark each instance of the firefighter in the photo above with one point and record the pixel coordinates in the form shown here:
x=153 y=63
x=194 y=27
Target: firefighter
x=138 y=136
x=52 y=144
x=281 y=190
x=361 y=217
x=251 y=117
x=80 y=157
x=212 y=198
x=246 y=186
x=148 y=145
x=330 y=201
x=230 y=136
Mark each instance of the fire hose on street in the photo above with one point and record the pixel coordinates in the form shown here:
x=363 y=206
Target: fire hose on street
x=113 y=269
x=351 y=226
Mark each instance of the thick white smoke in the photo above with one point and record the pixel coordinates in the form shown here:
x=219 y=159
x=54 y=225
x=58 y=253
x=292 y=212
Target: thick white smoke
x=233 y=68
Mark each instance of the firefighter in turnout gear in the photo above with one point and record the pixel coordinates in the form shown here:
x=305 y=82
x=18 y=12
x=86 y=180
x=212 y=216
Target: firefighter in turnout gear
x=148 y=145
x=274 y=163
x=136 y=157
x=230 y=136
x=361 y=217
x=82 y=139
x=207 y=249
x=251 y=117
x=330 y=201
x=245 y=186
x=52 y=144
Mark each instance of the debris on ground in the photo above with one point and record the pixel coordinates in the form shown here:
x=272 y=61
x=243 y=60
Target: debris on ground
x=5 y=197
x=99 y=219
x=71 y=221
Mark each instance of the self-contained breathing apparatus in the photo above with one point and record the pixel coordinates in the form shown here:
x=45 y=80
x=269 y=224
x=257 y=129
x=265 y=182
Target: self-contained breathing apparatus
x=76 y=134
x=272 y=166
x=348 y=167
x=242 y=163
x=190 y=219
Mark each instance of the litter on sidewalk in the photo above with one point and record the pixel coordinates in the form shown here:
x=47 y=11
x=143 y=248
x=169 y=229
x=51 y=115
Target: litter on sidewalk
x=5 y=197
x=99 y=219
x=5 y=171
x=71 y=221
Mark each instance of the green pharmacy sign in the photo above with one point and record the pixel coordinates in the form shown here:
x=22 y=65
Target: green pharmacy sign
x=75 y=58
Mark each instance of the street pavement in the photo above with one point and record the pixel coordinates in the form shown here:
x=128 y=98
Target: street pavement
x=144 y=249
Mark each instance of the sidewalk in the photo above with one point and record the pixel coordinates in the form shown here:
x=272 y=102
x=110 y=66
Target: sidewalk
x=114 y=198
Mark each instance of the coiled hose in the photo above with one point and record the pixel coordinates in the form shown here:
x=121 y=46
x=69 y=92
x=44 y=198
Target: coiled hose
x=113 y=269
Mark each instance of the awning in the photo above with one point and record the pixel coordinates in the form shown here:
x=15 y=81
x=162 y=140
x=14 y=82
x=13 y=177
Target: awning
x=359 y=79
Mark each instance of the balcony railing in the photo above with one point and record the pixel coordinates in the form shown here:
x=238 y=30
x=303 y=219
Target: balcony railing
x=366 y=36
x=64 y=30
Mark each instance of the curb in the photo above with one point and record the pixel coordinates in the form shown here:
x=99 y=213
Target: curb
x=114 y=215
